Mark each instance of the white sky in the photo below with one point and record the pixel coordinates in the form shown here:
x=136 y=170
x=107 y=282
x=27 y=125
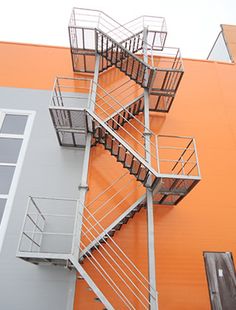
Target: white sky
x=191 y=25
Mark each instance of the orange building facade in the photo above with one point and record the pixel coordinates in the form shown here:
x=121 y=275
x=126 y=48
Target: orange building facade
x=203 y=220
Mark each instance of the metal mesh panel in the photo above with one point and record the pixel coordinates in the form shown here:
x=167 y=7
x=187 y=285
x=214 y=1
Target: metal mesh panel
x=172 y=190
x=69 y=119
x=72 y=139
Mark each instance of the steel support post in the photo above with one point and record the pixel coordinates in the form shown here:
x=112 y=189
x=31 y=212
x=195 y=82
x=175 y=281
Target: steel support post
x=83 y=187
x=150 y=221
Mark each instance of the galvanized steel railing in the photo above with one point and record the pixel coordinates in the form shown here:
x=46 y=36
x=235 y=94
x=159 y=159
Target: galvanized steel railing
x=73 y=93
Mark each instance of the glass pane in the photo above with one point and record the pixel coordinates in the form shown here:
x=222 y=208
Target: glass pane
x=9 y=150
x=6 y=175
x=14 y=124
x=2 y=206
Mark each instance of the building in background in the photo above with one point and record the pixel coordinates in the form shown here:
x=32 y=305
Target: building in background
x=224 y=47
x=100 y=200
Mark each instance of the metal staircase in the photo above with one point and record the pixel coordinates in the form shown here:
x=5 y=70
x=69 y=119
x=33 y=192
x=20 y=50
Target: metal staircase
x=130 y=159
x=118 y=55
x=116 y=127
x=93 y=32
x=105 y=112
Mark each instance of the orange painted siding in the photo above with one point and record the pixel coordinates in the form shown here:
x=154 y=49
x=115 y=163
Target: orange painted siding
x=205 y=219
x=33 y=66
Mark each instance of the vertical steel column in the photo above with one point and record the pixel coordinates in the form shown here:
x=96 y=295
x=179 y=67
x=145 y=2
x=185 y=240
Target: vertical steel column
x=151 y=236
x=83 y=187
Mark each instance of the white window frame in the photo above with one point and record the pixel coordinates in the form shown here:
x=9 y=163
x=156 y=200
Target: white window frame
x=18 y=166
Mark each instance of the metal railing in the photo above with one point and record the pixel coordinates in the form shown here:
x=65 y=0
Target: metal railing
x=49 y=226
x=177 y=155
x=60 y=218
x=67 y=93
x=113 y=201
x=108 y=109
x=91 y=19
x=167 y=59
x=123 y=269
x=95 y=19
x=70 y=92
x=154 y=24
x=125 y=92
x=119 y=273
x=87 y=18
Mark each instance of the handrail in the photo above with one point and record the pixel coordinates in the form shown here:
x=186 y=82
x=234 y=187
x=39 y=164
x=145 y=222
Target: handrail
x=189 y=146
x=124 y=185
x=117 y=246
x=111 y=209
x=105 y=99
x=119 y=267
x=110 y=186
x=125 y=87
x=91 y=19
x=94 y=18
x=103 y=273
x=137 y=131
x=117 y=255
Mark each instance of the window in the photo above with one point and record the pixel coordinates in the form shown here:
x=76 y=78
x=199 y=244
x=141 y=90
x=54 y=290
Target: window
x=14 y=124
x=2 y=207
x=14 y=132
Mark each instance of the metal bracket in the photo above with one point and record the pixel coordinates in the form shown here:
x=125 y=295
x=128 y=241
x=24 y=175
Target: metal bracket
x=83 y=186
x=147 y=134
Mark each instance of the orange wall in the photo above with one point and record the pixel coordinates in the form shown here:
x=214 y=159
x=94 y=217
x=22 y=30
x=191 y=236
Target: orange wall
x=205 y=219
x=33 y=66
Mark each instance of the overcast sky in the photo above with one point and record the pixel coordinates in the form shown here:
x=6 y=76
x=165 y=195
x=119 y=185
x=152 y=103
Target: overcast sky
x=191 y=25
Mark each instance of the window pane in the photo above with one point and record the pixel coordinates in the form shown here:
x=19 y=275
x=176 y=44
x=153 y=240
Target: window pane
x=6 y=174
x=9 y=150
x=14 y=124
x=2 y=206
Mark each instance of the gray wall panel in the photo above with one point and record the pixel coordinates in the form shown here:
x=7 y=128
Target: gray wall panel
x=48 y=170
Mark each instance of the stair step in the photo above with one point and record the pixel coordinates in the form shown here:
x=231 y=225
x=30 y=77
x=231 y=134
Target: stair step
x=79 y=277
x=123 y=57
x=125 y=220
x=97 y=299
x=89 y=253
x=122 y=151
x=111 y=232
x=118 y=226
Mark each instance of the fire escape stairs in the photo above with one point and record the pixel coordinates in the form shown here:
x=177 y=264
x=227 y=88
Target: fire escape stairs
x=126 y=113
x=123 y=152
x=114 y=227
x=133 y=43
x=121 y=57
x=107 y=131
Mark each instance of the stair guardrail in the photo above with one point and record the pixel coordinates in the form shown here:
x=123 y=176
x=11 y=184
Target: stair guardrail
x=53 y=214
x=112 y=202
x=87 y=18
x=74 y=92
x=120 y=254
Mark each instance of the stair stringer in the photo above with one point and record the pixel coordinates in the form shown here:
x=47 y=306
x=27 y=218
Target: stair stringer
x=121 y=57
x=133 y=108
x=152 y=177
x=114 y=226
x=90 y=282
